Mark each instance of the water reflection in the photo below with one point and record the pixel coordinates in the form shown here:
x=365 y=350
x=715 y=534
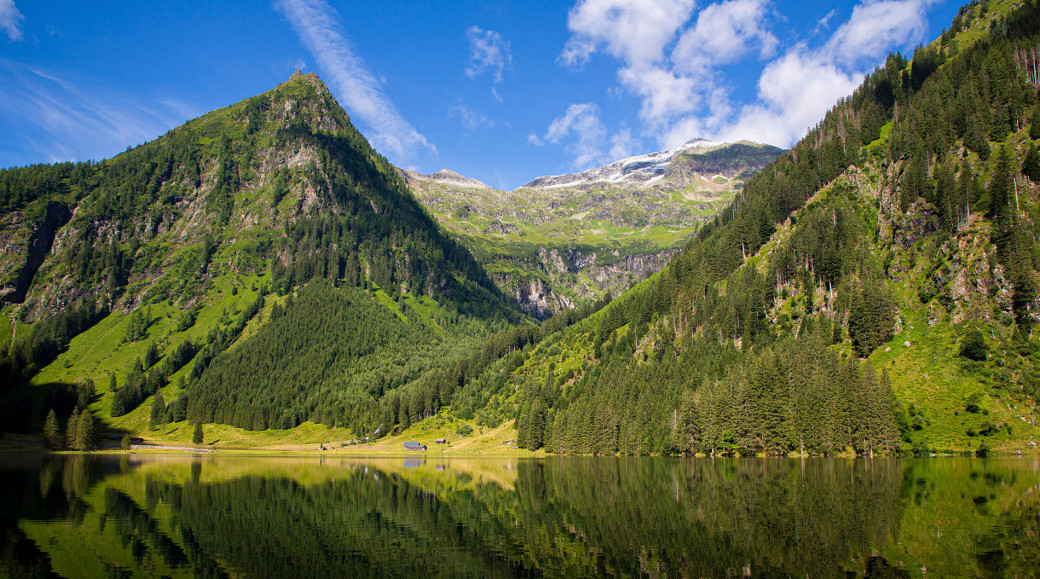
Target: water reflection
x=274 y=517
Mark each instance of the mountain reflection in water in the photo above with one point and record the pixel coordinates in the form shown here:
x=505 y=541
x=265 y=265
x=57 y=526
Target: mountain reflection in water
x=313 y=517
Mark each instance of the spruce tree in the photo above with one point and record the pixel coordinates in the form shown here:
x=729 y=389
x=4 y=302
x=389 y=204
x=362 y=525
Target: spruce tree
x=945 y=190
x=1031 y=164
x=86 y=432
x=71 y=429
x=158 y=410
x=975 y=140
x=871 y=317
x=197 y=437
x=85 y=393
x=52 y=437
x=1034 y=129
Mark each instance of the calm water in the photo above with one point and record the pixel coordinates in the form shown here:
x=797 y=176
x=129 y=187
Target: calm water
x=83 y=516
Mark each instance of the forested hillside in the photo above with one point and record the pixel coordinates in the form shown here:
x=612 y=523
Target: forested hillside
x=873 y=290
x=147 y=286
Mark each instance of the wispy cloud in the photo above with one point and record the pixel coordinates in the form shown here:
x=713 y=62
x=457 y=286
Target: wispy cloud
x=10 y=19
x=47 y=118
x=488 y=51
x=357 y=89
x=586 y=137
x=472 y=119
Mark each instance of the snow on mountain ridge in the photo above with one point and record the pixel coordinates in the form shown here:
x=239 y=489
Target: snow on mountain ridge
x=640 y=170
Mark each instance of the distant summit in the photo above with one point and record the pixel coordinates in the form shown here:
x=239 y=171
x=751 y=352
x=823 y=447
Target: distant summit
x=653 y=168
x=445 y=176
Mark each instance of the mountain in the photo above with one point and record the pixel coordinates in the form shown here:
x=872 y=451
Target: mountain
x=873 y=290
x=149 y=275
x=567 y=240
x=697 y=161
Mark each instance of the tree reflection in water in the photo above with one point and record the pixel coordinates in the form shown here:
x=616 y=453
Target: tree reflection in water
x=271 y=517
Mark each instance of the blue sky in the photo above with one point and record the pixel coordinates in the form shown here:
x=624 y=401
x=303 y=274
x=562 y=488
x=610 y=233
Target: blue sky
x=500 y=91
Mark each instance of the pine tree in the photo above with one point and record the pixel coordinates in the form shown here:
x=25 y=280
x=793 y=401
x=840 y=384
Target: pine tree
x=871 y=317
x=1034 y=129
x=1031 y=164
x=71 y=428
x=84 y=393
x=945 y=189
x=1000 y=191
x=975 y=140
x=197 y=437
x=158 y=410
x=52 y=438
x=86 y=432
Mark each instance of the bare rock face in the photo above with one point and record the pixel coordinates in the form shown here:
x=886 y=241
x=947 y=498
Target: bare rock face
x=563 y=279
x=25 y=244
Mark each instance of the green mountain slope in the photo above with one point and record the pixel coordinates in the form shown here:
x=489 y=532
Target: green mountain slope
x=136 y=275
x=566 y=240
x=873 y=290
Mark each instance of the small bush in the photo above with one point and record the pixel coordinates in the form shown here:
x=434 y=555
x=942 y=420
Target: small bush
x=974 y=347
x=464 y=430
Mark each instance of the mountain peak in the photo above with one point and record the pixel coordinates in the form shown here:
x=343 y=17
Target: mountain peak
x=310 y=79
x=447 y=176
x=647 y=170
x=698 y=143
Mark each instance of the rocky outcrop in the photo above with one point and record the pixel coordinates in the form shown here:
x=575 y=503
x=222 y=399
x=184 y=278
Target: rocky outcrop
x=25 y=244
x=564 y=278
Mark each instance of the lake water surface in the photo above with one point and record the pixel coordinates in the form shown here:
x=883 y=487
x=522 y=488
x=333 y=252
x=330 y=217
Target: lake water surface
x=102 y=516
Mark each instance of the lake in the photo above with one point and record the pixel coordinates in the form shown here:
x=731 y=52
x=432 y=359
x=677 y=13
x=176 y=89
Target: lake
x=141 y=515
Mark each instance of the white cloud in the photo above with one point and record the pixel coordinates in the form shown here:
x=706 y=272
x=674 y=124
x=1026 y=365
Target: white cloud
x=635 y=31
x=674 y=65
x=48 y=118
x=667 y=62
x=622 y=144
x=10 y=18
x=470 y=118
x=361 y=93
x=488 y=52
x=665 y=93
x=586 y=138
x=825 y=21
x=795 y=92
x=876 y=27
x=724 y=33
x=184 y=110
